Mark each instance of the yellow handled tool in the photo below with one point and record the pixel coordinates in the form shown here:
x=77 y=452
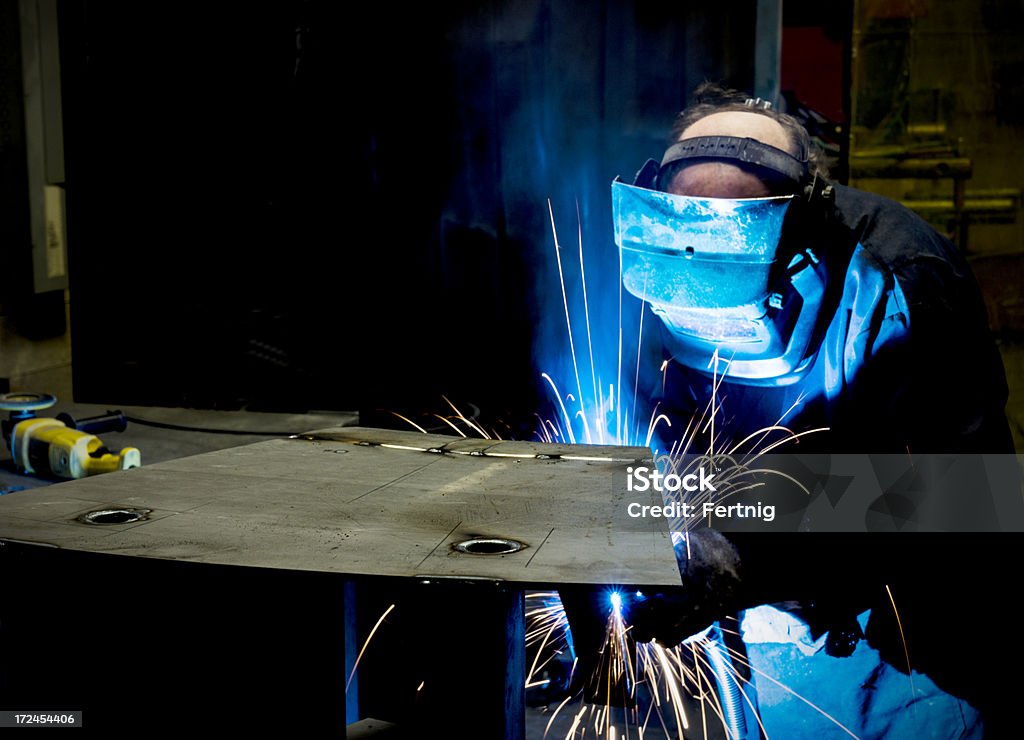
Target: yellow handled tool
x=48 y=446
x=61 y=446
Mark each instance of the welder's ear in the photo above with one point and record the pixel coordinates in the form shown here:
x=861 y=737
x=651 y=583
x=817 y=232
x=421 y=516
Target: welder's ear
x=810 y=219
x=647 y=176
x=819 y=193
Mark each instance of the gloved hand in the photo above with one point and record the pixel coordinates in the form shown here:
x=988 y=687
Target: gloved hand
x=712 y=588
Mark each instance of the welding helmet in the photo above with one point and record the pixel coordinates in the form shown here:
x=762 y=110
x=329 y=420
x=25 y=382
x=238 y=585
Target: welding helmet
x=715 y=271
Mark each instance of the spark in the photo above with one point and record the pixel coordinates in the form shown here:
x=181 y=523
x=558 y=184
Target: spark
x=663 y=675
x=714 y=390
x=593 y=410
x=449 y=423
x=659 y=679
x=568 y=423
x=466 y=419
x=796 y=404
x=544 y=435
x=365 y=644
x=409 y=421
x=655 y=420
x=903 y=637
x=568 y=323
x=544 y=623
x=677 y=700
x=640 y=333
x=576 y=722
x=654 y=425
x=790 y=438
x=659 y=670
x=565 y=701
x=586 y=310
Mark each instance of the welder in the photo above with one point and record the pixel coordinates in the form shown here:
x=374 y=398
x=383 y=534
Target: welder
x=824 y=306
x=812 y=305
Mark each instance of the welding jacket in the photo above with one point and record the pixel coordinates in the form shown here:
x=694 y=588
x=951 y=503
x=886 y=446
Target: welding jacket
x=903 y=360
x=903 y=357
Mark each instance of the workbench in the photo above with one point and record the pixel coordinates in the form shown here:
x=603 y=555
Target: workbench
x=220 y=589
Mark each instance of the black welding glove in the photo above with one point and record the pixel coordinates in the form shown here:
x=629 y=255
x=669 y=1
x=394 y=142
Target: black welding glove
x=712 y=588
x=722 y=575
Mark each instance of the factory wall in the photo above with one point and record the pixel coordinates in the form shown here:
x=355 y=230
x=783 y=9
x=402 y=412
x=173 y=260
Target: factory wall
x=943 y=81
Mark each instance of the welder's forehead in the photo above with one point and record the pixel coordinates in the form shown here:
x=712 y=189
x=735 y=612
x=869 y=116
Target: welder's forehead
x=718 y=180
x=743 y=124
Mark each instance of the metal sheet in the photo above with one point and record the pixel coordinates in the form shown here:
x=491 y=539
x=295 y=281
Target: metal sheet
x=369 y=502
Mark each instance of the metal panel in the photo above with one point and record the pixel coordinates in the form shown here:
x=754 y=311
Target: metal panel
x=368 y=502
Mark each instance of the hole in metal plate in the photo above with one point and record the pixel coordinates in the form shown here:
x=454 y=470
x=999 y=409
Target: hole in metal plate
x=113 y=516
x=488 y=546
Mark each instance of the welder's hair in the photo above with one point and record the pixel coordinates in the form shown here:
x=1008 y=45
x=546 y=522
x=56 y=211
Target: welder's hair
x=710 y=98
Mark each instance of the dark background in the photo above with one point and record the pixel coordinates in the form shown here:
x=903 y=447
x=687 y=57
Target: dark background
x=293 y=206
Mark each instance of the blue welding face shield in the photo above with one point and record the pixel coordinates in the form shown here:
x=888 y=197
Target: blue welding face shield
x=712 y=270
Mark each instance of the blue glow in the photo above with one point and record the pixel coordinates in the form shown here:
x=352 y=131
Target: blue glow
x=600 y=357
x=587 y=340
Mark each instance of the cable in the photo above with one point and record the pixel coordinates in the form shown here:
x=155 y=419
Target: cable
x=729 y=690
x=183 y=428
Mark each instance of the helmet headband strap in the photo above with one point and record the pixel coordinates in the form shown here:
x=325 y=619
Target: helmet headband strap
x=733 y=149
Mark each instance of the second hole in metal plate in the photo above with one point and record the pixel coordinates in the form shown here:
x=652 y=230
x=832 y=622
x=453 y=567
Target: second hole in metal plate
x=113 y=516
x=488 y=546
